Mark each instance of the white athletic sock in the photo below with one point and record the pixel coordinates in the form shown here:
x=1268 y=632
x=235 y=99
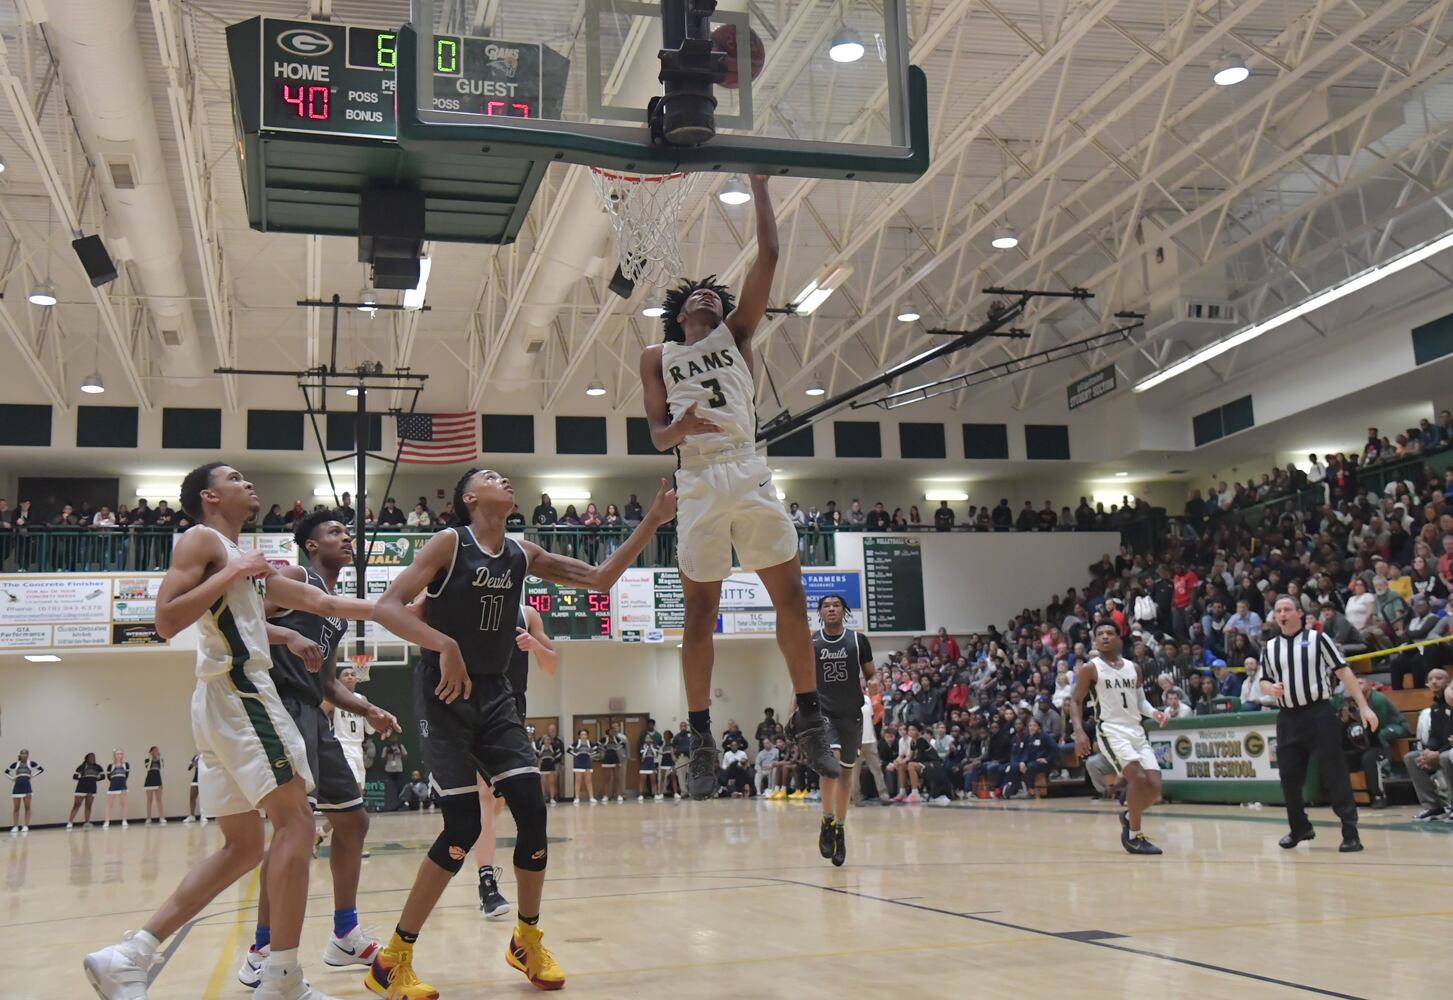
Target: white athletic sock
x=145 y=942
x=1134 y=834
x=281 y=965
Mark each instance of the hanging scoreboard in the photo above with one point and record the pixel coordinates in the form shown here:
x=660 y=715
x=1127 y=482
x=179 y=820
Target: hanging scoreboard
x=569 y=612
x=330 y=79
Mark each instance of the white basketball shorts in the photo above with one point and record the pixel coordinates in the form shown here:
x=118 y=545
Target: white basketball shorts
x=727 y=501
x=1124 y=745
x=248 y=743
x=354 y=753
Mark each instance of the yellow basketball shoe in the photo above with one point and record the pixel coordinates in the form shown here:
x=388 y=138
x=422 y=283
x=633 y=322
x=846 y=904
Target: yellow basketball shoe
x=392 y=975
x=528 y=953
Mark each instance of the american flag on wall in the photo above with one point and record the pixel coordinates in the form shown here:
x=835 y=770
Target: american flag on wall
x=438 y=438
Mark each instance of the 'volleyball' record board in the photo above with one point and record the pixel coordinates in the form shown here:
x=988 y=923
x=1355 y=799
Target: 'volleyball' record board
x=893 y=565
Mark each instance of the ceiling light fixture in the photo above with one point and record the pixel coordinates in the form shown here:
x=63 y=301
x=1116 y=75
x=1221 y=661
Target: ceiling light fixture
x=1121 y=475
x=734 y=191
x=351 y=391
x=43 y=294
x=1326 y=297
x=596 y=388
x=815 y=389
x=569 y=493
x=414 y=297
x=653 y=312
x=819 y=290
x=1229 y=69
x=952 y=496
x=847 y=47
x=368 y=303
x=93 y=384
x=908 y=314
x=1005 y=238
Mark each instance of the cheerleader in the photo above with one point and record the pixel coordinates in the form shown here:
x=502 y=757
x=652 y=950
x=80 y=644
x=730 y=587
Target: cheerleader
x=550 y=749
x=87 y=773
x=614 y=752
x=20 y=772
x=666 y=770
x=153 y=785
x=116 y=773
x=193 y=813
x=650 y=752
x=582 y=753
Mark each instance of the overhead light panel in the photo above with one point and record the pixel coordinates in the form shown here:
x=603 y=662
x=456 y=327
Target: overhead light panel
x=368 y=302
x=816 y=389
x=1229 y=69
x=908 y=314
x=414 y=297
x=43 y=294
x=846 y=47
x=819 y=290
x=1121 y=475
x=1005 y=238
x=596 y=388
x=93 y=384
x=351 y=391
x=155 y=492
x=653 y=312
x=1326 y=297
x=952 y=496
x=568 y=493
x=734 y=191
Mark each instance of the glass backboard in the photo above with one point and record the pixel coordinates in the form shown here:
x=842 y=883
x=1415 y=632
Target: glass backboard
x=810 y=87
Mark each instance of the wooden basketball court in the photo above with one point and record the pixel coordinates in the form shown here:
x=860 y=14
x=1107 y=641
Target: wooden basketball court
x=730 y=899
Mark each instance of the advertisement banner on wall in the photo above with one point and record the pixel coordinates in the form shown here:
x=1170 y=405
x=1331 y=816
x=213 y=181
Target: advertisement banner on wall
x=136 y=635
x=650 y=601
x=51 y=600
x=77 y=611
x=24 y=636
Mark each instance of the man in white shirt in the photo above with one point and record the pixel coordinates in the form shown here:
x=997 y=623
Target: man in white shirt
x=1174 y=707
x=766 y=758
x=1316 y=472
x=1253 y=699
x=735 y=775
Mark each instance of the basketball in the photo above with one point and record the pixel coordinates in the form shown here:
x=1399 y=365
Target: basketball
x=725 y=40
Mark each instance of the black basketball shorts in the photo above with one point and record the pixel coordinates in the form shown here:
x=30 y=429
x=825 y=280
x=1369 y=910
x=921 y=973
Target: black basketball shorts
x=483 y=735
x=335 y=789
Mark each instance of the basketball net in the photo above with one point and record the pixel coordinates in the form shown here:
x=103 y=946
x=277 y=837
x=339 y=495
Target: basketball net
x=361 y=663
x=644 y=211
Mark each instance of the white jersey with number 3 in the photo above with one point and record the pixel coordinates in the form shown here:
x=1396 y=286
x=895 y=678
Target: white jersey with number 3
x=1117 y=694
x=713 y=374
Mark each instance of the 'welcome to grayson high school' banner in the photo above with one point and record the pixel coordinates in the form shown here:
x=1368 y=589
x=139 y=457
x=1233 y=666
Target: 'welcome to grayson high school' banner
x=1227 y=758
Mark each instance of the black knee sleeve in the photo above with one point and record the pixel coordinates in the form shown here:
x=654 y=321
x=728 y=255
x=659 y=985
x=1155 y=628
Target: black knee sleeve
x=461 y=830
x=527 y=804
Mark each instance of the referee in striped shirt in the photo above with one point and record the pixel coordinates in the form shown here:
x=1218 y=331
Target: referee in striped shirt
x=1297 y=669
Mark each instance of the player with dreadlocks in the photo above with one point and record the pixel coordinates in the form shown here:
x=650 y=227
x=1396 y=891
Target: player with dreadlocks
x=473 y=576
x=725 y=494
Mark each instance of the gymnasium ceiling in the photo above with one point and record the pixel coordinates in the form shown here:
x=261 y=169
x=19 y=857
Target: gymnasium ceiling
x=1091 y=126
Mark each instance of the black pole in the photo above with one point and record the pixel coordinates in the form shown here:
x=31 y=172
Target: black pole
x=360 y=498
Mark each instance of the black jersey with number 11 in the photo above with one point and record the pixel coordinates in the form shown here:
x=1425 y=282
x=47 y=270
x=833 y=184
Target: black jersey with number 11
x=476 y=602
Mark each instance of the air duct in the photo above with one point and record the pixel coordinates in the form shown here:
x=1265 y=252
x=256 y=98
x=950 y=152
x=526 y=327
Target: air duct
x=101 y=64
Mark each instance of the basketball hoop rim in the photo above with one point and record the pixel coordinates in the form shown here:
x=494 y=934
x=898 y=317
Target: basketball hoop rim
x=611 y=175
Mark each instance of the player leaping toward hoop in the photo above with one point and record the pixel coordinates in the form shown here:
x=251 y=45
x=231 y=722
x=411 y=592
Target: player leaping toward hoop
x=725 y=496
x=1120 y=703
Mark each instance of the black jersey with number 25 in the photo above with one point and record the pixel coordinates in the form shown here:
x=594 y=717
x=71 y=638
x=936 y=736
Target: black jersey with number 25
x=840 y=661
x=476 y=602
